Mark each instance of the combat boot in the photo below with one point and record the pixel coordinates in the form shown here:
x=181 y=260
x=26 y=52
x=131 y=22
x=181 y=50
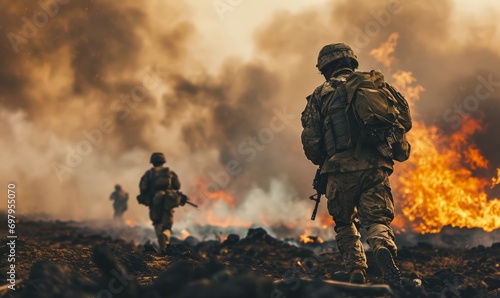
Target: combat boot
x=162 y=246
x=358 y=276
x=390 y=272
x=162 y=241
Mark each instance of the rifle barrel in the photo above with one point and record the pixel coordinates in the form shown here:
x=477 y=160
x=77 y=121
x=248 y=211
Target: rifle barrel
x=315 y=210
x=192 y=204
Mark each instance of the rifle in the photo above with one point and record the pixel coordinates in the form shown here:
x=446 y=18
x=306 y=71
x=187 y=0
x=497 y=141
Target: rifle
x=185 y=200
x=319 y=184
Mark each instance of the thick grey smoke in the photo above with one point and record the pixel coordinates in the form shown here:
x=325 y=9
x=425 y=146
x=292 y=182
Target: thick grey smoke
x=450 y=61
x=128 y=79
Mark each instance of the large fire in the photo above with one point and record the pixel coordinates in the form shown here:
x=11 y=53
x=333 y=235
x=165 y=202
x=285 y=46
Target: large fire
x=436 y=187
x=495 y=181
x=216 y=201
x=437 y=184
x=130 y=223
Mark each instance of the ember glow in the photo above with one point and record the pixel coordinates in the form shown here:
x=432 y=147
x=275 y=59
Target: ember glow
x=438 y=186
x=130 y=223
x=184 y=234
x=310 y=239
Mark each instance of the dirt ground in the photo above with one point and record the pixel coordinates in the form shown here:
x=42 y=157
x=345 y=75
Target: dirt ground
x=65 y=259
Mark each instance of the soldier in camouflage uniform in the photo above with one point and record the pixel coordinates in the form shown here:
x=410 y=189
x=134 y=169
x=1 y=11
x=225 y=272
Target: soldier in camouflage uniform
x=160 y=186
x=358 y=182
x=120 y=199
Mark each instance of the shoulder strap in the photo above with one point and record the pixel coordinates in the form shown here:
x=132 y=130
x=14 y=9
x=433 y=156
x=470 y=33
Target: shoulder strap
x=151 y=178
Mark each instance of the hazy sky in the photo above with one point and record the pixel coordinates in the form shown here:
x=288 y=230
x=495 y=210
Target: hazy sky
x=231 y=29
x=226 y=67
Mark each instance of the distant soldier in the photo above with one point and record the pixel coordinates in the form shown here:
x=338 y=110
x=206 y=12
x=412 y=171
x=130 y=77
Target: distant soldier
x=159 y=189
x=119 y=198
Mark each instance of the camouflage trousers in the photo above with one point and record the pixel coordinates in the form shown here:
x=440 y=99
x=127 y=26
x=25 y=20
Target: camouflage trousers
x=163 y=217
x=365 y=196
x=159 y=213
x=119 y=208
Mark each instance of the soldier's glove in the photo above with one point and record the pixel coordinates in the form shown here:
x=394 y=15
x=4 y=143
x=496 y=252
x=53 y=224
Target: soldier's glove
x=184 y=199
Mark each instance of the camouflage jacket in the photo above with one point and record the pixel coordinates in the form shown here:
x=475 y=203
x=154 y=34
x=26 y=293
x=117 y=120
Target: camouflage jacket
x=149 y=181
x=119 y=196
x=313 y=137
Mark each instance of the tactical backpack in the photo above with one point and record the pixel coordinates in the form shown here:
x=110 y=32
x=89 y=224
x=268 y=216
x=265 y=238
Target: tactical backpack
x=161 y=179
x=365 y=110
x=158 y=181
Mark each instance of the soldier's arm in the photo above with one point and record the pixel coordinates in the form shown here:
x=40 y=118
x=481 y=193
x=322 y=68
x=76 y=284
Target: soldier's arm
x=312 y=134
x=144 y=184
x=112 y=197
x=176 y=184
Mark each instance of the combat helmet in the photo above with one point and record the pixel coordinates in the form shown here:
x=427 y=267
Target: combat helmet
x=335 y=51
x=118 y=187
x=157 y=158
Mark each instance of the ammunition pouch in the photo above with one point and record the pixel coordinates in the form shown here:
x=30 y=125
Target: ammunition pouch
x=340 y=123
x=144 y=199
x=395 y=145
x=172 y=199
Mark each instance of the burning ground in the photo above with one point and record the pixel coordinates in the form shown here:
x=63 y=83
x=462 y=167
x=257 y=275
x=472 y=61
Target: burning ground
x=70 y=259
x=86 y=97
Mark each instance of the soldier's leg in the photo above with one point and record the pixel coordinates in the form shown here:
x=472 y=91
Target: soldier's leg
x=155 y=214
x=376 y=209
x=118 y=213
x=376 y=212
x=342 y=199
x=116 y=216
x=167 y=221
x=162 y=241
x=115 y=209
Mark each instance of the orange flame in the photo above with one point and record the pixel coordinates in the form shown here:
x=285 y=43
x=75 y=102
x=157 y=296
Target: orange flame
x=325 y=220
x=184 y=234
x=384 y=52
x=130 y=223
x=220 y=200
x=307 y=238
x=495 y=181
x=218 y=195
x=437 y=184
x=226 y=221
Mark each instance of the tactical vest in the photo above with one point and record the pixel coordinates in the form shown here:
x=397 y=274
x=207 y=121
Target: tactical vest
x=339 y=126
x=119 y=196
x=366 y=111
x=161 y=179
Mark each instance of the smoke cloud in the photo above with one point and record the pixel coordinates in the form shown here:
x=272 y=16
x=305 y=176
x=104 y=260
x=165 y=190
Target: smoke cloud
x=86 y=96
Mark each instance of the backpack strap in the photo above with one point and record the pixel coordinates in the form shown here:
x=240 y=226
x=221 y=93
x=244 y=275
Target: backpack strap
x=151 y=180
